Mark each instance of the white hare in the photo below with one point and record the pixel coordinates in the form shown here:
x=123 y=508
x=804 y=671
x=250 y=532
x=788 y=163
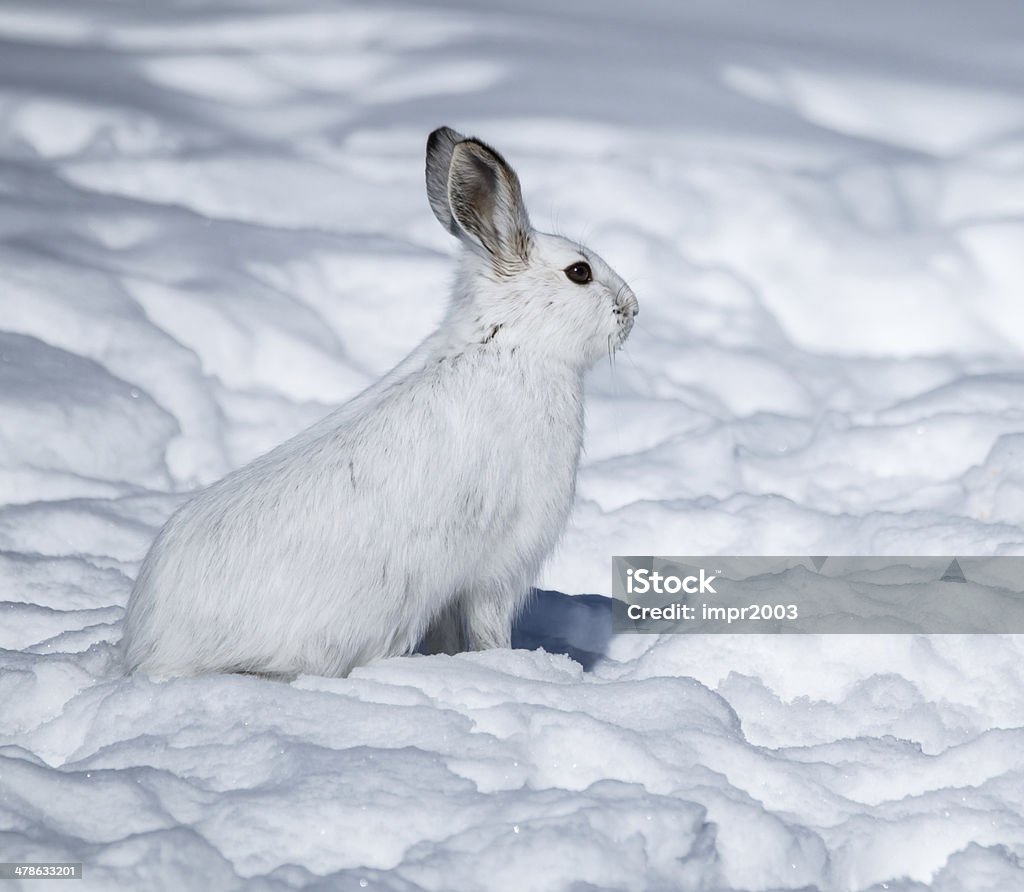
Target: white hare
x=423 y=508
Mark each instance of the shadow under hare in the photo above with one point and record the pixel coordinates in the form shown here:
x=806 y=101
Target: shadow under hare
x=424 y=507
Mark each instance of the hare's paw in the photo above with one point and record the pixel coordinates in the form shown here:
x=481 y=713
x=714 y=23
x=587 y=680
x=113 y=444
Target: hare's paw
x=490 y=611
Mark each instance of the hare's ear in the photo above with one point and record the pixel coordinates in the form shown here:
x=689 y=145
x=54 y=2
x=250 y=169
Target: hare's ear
x=487 y=204
x=440 y=145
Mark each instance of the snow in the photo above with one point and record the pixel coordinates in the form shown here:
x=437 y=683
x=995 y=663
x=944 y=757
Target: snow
x=215 y=229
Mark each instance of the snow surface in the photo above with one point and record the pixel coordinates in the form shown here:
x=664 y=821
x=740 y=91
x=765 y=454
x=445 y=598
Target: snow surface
x=214 y=228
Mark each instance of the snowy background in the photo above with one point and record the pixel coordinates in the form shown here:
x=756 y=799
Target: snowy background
x=213 y=228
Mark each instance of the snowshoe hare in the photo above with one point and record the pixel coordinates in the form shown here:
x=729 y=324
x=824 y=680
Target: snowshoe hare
x=422 y=509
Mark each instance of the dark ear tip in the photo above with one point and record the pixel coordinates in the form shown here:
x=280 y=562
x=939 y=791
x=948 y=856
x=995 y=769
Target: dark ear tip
x=443 y=135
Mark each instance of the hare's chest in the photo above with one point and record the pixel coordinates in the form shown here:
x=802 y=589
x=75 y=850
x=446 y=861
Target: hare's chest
x=531 y=435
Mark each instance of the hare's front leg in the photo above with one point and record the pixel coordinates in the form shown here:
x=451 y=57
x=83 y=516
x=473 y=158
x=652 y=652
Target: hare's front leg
x=490 y=612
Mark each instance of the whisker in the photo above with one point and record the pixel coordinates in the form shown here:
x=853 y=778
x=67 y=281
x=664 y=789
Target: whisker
x=632 y=361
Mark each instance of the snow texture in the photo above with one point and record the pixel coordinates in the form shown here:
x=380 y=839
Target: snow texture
x=214 y=229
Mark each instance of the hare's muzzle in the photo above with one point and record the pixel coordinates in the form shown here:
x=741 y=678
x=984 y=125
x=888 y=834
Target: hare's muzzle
x=626 y=309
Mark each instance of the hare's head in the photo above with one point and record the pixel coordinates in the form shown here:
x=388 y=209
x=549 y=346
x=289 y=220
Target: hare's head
x=528 y=289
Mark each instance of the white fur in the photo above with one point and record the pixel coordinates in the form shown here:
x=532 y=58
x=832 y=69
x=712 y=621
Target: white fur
x=423 y=507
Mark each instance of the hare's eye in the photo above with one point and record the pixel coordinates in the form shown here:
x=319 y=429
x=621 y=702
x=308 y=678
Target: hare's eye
x=579 y=273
